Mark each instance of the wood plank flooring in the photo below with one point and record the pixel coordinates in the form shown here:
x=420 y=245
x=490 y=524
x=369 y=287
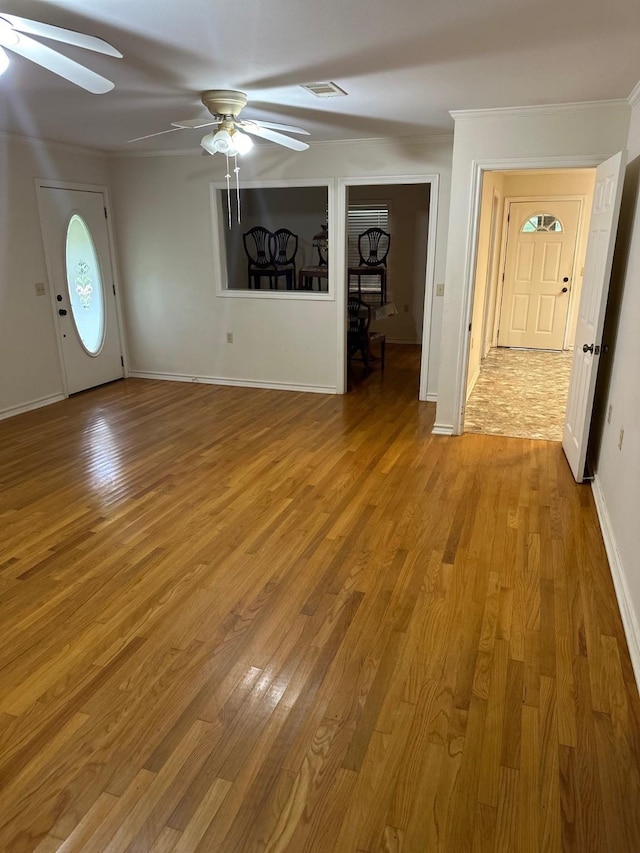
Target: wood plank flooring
x=239 y=620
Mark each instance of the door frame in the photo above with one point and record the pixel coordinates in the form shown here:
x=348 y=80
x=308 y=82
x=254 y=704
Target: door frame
x=433 y=181
x=42 y=184
x=508 y=201
x=479 y=167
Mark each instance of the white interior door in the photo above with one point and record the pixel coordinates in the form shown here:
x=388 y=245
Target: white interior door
x=541 y=248
x=593 y=303
x=76 y=245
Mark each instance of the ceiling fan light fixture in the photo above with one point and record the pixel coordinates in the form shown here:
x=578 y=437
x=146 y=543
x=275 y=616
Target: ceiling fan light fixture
x=4 y=61
x=207 y=143
x=223 y=143
x=242 y=142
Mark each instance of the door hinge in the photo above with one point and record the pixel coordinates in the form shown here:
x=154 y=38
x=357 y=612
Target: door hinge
x=114 y=289
x=469 y=326
x=122 y=360
x=105 y=213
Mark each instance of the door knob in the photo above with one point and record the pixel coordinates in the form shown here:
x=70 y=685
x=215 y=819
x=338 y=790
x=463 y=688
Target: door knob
x=587 y=348
x=564 y=289
x=62 y=312
x=566 y=278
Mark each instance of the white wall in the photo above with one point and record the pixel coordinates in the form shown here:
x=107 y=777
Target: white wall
x=530 y=138
x=29 y=364
x=176 y=323
x=617 y=485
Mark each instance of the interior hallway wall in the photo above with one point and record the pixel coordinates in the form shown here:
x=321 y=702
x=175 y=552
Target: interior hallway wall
x=617 y=469
x=177 y=323
x=491 y=137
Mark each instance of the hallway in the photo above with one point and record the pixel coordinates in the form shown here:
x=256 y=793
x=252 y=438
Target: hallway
x=520 y=393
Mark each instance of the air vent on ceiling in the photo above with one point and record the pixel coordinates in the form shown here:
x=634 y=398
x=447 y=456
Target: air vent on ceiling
x=324 y=90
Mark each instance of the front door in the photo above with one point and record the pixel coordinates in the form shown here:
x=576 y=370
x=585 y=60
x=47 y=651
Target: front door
x=77 y=252
x=541 y=248
x=593 y=302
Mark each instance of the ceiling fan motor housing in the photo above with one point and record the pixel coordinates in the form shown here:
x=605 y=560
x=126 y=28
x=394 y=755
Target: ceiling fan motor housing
x=224 y=102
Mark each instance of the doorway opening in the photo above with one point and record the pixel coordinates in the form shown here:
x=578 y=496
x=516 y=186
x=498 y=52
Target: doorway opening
x=396 y=306
x=532 y=239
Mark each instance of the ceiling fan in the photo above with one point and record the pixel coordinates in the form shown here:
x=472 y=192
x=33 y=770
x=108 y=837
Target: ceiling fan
x=15 y=35
x=231 y=137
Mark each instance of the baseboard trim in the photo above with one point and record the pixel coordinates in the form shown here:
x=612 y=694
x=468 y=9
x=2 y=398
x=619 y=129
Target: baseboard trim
x=239 y=383
x=629 y=621
x=432 y=397
x=442 y=429
x=29 y=407
x=402 y=341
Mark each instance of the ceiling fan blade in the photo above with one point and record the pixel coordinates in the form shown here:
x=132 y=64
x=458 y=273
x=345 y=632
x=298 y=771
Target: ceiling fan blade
x=60 y=65
x=36 y=28
x=150 y=135
x=195 y=123
x=274 y=136
x=288 y=128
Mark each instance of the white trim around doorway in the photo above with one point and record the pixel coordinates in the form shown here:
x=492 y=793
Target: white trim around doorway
x=478 y=169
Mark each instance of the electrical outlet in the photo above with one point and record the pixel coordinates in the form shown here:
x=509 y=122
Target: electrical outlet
x=440 y=289
x=229 y=337
x=620 y=438
x=609 y=413
x=39 y=288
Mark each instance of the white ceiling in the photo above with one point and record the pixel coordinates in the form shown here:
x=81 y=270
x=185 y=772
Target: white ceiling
x=404 y=64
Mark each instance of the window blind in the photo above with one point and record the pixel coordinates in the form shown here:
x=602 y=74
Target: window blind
x=360 y=216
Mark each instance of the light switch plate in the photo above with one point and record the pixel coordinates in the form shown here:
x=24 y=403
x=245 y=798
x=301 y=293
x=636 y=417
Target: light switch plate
x=439 y=289
x=40 y=289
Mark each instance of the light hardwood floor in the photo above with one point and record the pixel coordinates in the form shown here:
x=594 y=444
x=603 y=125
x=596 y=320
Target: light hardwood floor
x=238 y=620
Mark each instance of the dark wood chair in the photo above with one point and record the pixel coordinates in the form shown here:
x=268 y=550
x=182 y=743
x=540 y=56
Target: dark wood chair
x=373 y=248
x=284 y=246
x=360 y=338
x=258 y=247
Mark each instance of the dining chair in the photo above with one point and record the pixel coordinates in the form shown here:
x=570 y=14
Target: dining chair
x=258 y=247
x=284 y=246
x=373 y=249
x=360 y=338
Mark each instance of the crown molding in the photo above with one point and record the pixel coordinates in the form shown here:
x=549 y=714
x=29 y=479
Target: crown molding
x=541 y=109
x=69 y=148
x=634 y=97
x=427 y=139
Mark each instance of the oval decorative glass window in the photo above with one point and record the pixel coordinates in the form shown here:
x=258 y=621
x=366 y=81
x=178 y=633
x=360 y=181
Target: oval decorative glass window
x=84 y=284
x=541 y=222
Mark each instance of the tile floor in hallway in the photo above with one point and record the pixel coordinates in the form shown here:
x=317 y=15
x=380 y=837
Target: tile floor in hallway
x=520 y=393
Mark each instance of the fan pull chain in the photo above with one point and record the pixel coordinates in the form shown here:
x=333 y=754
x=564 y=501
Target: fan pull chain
x=237 y=171
x=228 y=177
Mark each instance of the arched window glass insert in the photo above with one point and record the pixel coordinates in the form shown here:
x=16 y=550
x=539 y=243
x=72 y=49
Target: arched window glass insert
x=84 y=284
x=541 y=222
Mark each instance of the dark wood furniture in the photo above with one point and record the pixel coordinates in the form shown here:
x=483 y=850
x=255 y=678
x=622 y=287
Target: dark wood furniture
x=257 y=245
x=360 y=338
x=271 y=255
x=308 y=275
x=373 y=248
x=284 y=246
